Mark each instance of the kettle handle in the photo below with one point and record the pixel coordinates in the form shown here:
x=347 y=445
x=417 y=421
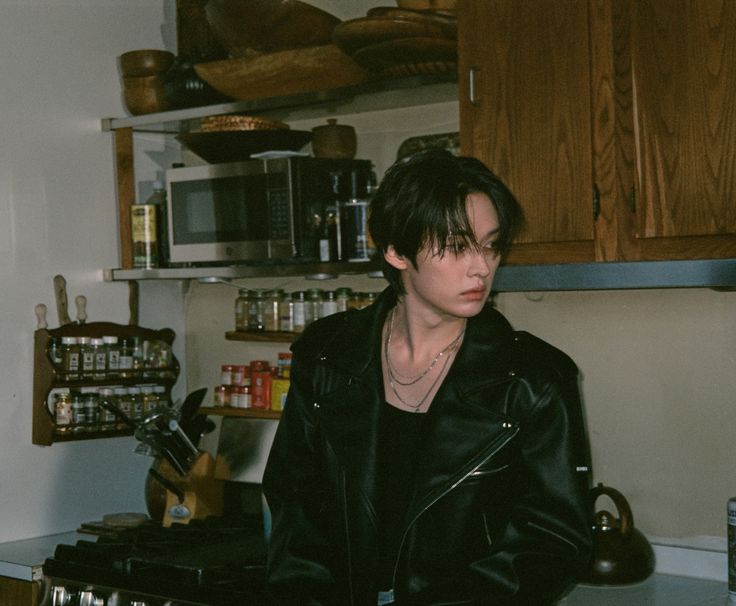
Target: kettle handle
x=626 y=517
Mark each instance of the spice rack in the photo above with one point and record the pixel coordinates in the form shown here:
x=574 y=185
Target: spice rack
x=48 y=377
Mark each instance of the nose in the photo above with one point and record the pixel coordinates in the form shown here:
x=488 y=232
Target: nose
x=482 y=264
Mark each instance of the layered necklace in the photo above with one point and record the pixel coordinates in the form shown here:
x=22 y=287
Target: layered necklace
x=395 y=377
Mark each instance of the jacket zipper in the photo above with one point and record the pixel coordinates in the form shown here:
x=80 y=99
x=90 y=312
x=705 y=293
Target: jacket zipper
x=443 y=494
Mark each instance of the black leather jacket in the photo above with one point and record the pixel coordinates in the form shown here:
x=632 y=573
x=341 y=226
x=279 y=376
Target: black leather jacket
x=499 y=514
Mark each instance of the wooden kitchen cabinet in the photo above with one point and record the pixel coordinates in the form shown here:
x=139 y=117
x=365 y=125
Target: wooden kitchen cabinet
x=613 y=121
x=14 y=592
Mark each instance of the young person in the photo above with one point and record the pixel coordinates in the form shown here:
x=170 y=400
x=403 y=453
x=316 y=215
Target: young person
x=428 y=453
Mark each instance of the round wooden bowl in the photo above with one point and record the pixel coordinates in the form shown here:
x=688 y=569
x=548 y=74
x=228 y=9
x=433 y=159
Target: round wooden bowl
x=145 y=62
x=144 y=95
x=246 y=28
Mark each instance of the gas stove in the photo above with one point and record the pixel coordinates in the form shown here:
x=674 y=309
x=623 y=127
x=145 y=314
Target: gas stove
x=210 y=562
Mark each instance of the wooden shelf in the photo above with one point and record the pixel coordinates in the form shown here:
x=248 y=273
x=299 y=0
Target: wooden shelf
x=247 y=413
x=261 y=337
x=47 y=378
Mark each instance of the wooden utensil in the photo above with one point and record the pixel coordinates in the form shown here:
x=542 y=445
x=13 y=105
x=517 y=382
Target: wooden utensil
x=62 y=302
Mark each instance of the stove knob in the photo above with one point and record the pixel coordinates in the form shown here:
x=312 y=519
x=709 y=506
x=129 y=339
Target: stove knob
x=88 y=598
x=61 y=596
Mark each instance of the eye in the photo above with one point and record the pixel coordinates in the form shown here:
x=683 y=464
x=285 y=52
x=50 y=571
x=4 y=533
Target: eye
x=491 y=247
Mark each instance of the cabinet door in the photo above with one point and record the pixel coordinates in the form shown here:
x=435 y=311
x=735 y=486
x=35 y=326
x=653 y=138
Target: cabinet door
x=18 y=593
x=683 y=57
x=525 y=110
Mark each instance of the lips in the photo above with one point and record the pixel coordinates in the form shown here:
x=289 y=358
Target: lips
x=474 y=294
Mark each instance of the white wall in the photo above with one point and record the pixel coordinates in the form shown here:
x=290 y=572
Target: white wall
x=58 y=215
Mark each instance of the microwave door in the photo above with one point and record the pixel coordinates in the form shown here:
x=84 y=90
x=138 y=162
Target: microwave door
x=220 y=219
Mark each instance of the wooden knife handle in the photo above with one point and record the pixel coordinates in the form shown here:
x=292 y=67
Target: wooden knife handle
x=62 y=303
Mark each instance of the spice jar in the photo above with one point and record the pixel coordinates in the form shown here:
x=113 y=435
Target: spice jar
x=312 y=305
x=329 y=304
x=286 y=314
x=241 y=310
x=108 y=419
x=112 y=350
x=87 y=357
x=99 y=354
x=62 y=412
x=342 y=296
x=256 y=310
x=271 y=310
x=298 y=303
x=70 y=355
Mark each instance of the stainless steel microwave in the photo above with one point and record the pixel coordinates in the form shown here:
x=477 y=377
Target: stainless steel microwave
x=255 y=209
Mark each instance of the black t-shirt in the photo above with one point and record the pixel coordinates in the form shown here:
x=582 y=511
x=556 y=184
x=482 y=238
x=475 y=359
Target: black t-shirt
x=399 y=440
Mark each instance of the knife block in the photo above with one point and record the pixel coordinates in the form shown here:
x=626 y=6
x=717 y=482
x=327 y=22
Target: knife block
x=203 y=494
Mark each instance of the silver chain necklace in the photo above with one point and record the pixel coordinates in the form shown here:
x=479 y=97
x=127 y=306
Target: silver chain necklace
x=392 y=379
x=411 y=380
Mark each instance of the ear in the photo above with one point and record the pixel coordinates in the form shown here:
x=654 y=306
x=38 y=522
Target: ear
x=395 y=259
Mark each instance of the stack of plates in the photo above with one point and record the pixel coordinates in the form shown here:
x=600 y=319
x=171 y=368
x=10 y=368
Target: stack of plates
x=400 y=42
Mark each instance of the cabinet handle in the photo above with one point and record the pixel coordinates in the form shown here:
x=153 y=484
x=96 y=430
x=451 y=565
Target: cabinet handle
x=596 y=202
x=471 y=86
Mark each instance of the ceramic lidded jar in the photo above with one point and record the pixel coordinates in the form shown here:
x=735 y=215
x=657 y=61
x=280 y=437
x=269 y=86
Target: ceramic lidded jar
x=333 y=140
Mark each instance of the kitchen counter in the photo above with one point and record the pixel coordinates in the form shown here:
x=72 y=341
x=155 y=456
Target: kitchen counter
x=657 y=590
x=23 y=559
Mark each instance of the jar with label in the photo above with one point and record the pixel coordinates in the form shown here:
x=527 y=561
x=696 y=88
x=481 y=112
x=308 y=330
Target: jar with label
x=99 y=368
x=241 y=310
x=257 y=310
x=342 y=296
x=62 y=412
x=139 y=358
x=238 y=396
x=286 y=314
x=284 y=364
x=108 y=419
x=226 y=374
x=126 y=358
x=271 y=310
x=312 y=305
x=70 y=354
x=112 y=350
x=54 y=352
x=329 y=304
x=91 y=409
x=162 y=397
x=298 y=303
x=79 y=417
x=222 y=396
x=149 y=399
x=122 y=399
x=136 y=403
x=87 y=357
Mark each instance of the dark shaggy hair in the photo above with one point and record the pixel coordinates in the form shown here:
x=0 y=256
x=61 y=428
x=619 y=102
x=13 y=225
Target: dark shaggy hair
x=421 y=204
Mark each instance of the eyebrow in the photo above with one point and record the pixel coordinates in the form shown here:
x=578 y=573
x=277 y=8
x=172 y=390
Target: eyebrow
x=491 y=233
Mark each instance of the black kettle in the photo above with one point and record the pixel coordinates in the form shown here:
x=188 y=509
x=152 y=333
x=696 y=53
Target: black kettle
x=621 y=553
